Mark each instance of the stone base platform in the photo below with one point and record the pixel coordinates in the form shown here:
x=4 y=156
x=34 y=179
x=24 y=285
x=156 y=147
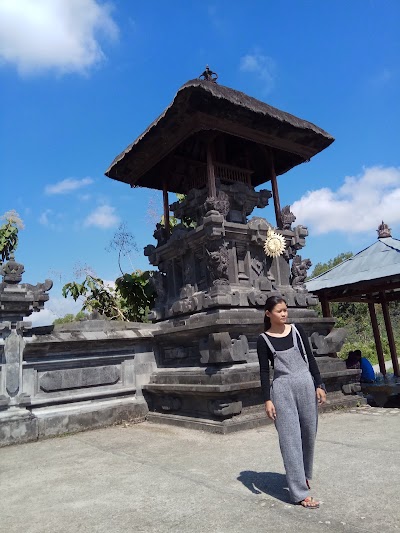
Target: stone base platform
x=256 y=417
x=23 y=425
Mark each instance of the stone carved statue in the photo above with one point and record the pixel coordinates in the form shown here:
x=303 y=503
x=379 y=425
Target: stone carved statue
x=288 y=217
x=157 y=281
x=217 y=263
x=209 y=75
x=296 y=242
x=160 y=234
x=220 y=203
x=299 y=271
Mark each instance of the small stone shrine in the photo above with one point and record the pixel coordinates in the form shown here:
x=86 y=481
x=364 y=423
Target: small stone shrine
x=217 y=267
x=17 y=300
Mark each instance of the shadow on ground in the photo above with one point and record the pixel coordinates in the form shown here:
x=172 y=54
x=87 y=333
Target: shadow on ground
x=270 y=483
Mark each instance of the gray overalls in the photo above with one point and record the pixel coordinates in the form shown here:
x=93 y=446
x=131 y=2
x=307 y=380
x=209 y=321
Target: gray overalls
x=294 y=398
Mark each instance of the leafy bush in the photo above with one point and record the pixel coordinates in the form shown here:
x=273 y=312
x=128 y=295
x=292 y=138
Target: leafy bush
x=9 y=234
x=130 y=299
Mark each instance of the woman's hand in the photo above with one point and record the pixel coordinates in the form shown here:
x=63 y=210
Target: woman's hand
x=270 y=410
x=321 y=395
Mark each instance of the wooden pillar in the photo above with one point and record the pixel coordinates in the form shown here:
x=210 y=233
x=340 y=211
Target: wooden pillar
x=377 y=337
x=326 y=310
x=275 y=193
x=212 y=189
x=166 y=208
x=389 y=331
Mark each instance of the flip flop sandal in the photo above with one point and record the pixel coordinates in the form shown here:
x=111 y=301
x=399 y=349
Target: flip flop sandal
x=309 y=503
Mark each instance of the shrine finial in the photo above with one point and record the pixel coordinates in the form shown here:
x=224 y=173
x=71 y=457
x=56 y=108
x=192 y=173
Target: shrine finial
x=12 y=271
x=209 y=75
x=384 y=231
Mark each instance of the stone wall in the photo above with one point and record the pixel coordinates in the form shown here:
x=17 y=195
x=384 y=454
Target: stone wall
x=74 y=377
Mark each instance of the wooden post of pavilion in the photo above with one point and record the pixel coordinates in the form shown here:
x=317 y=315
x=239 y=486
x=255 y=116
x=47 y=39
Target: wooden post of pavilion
x=389 y=331
x=326 y=310
x=212 y=189
x=377 y=337
x=166 y=208
x=274 y=184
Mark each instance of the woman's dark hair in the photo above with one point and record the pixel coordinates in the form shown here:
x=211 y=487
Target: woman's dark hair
x=271 y=302
x=353 y=359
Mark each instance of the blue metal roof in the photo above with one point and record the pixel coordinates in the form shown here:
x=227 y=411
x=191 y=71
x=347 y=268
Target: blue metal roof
x=380 y=260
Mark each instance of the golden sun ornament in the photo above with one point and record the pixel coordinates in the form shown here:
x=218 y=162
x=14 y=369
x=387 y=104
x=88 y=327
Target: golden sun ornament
x=274 y=245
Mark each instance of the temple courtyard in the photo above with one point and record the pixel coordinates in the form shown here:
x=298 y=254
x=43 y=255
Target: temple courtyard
x=159 y=478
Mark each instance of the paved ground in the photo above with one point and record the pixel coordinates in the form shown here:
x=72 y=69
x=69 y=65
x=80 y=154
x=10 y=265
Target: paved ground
x=151 y=478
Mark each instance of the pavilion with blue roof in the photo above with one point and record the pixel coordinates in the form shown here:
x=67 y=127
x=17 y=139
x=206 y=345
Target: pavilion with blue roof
x=371 y=276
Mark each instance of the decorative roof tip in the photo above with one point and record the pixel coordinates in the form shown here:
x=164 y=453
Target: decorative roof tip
x=384 y=231
x=209 y=75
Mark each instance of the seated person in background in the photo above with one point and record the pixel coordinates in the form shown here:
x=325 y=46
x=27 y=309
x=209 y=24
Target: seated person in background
x=367 y=372
x=352 y=360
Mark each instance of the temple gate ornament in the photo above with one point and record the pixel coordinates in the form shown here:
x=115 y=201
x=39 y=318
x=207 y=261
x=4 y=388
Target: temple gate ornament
x=384 y=231
x=208 y=75
x=274 y=244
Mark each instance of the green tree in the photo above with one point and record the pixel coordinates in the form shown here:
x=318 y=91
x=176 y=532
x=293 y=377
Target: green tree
x=9 y=234
x=130 y=299
x=71 y=318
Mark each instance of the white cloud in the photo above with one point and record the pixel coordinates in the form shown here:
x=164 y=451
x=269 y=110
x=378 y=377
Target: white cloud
x=262 y=66
x=44 y=217
x=67 y=185
x=359 y=205
x=60 y=35
x=54 y=308
x=102 y=217
x=84 y=197
x=383 y=78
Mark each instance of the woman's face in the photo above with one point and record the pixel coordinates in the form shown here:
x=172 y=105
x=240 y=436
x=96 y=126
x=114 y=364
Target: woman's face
x=278 y=315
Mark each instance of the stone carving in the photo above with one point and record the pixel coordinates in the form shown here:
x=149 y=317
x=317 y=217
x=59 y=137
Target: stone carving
x=217 y=262
x=235 y=201
x=220 y=203
x=296 y=239
x=331 y=343
x=288 y=218
x=170 y=403
x=384 y=231
x=257 y=298
x=12 y=271
x=225 y=408
x=178 y=232
x=160 y=234
x=221 y=348
x=149 y=250
x=257 y=266
x=19 y=300
x=157 y=280
x=299 y=272
x=209 y=75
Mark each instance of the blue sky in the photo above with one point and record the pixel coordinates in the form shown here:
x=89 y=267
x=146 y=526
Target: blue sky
x=81 y=79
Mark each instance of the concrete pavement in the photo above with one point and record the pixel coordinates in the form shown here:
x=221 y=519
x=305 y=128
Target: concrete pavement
x=153 y=478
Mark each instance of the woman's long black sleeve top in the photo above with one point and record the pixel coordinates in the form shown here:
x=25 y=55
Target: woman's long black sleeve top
x=283 y=343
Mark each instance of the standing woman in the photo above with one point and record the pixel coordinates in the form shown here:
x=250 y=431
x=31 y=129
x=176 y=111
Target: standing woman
x=291 y=401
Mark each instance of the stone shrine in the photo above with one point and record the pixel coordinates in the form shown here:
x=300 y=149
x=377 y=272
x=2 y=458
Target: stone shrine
x=217 y=267
x=17 y=300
